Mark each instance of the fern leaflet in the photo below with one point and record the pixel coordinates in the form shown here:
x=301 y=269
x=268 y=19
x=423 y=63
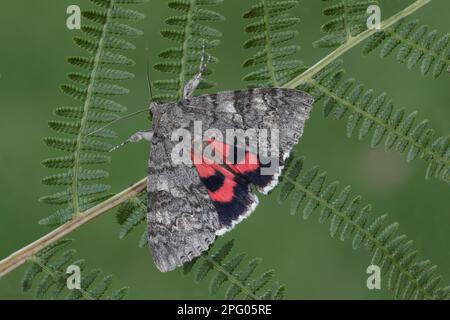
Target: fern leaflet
x=52 y=263
x=348 y=19
x=269 y=34
x=407 y=276
x=241 y=282
x=377 y=115
x=192 y=35
x=416 y=45
x=92 y=88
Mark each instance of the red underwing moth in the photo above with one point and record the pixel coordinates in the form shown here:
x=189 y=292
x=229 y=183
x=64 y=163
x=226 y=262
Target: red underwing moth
x=191 y=202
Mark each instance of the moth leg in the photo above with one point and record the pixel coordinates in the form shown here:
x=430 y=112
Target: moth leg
x=138 y=136
x=192 y=84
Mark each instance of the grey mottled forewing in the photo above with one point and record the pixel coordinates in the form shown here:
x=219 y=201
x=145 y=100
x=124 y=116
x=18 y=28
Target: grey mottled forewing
x=261 y=108
x=182 y=220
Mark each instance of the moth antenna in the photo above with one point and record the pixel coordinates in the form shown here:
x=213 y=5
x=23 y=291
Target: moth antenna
x=117 y=120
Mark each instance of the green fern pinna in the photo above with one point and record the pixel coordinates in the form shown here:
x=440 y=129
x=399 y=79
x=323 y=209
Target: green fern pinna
x=271 y=27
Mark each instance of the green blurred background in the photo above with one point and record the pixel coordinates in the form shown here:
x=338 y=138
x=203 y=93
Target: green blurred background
x=34 y=44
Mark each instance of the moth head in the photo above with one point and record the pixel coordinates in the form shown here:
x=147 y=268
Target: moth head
x=153 y=106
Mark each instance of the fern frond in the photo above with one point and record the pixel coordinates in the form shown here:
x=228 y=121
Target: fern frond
x=349 y=218
x=191 y=34
x=269 y=33
x=48 y=268
x=131 y=215
x=348 y=19
x=93 y=89
x=238 y=274
x=416 y=45
x=375 y=115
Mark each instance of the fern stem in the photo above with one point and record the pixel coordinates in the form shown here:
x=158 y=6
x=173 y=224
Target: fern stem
x=231 y=277
x=19 y=257
x=367 y=235
x=352 y=42
x=426 y=150
x=87 y=104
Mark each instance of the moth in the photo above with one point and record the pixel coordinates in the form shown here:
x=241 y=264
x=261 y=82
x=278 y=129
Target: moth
x=189 y=205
